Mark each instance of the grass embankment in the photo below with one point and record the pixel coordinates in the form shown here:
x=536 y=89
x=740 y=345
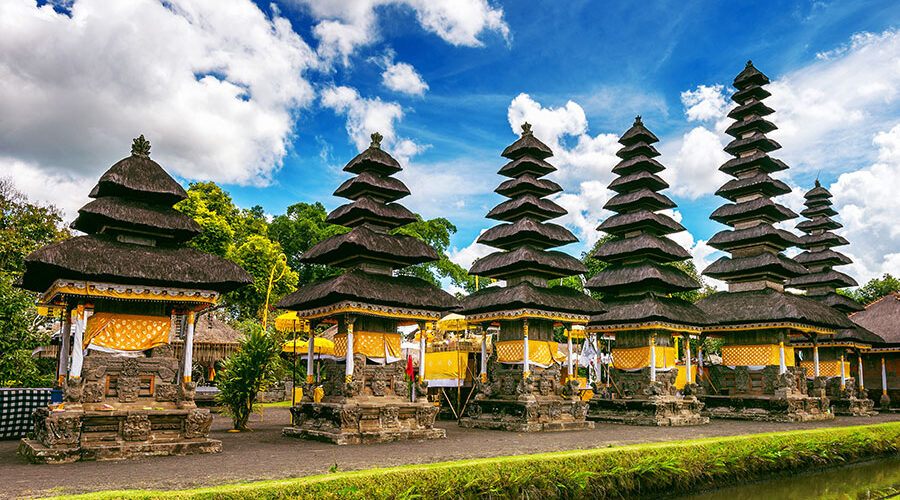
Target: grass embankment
x=624 y=472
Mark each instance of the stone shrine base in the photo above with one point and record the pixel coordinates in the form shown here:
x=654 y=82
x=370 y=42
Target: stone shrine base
x=767 y=408
x=655 y=410
x=74 y=435
x=363 y=422
x=537 y=415
x=853 y=407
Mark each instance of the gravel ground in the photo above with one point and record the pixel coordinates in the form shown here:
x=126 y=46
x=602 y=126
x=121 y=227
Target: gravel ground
x=264 y=454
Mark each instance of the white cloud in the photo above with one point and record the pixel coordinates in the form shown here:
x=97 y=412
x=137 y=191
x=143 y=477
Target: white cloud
x=402 y=77
x=705 y=103
x=75 y=90
x=63 y=190
x=466 y=256
x=693 y=170
x=348 y=24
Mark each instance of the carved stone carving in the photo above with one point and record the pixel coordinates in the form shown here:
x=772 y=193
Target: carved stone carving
x=390 y=416
x=92 y=393
x=508 y=385
x=131 y=367
x=197 y=423
x=165 y=392
x=378 y=387
x=55 y=429
x=128 y=388
x=350 y=417
x=74 y=389
x=162 y=351
x=546 y=386
x=741 y=379
x=186 y=391
x=136 y=427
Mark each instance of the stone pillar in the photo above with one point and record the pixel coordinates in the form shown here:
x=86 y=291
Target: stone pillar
x=483 y=356
x=782 y=366
x=348 y=362
x=189 y=348
x=843 y=375
x=78 y=343
x=816 y=360
x=62 y=367
x=570 y=359
x=687 y=359
x=526 y=360
x=310 y=353
x=653 y=358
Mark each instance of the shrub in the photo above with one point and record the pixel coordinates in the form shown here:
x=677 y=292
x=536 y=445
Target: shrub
x=247 y=371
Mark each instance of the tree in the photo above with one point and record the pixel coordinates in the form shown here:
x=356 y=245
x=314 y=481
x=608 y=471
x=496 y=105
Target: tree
x=875 y=289
x=436 y=233
x=24 y=227
x=302 y=226
x=246 y=372
x=262 y=258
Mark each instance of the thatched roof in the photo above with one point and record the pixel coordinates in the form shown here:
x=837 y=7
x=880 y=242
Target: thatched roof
x=769 y=306
x=365 y=210
x=104 y=259
x=637 y=133
x=650 y=307
x=761 y=234
x=840 y=302
x=830 y=278
x=637 y=200
x=757 y=161
x=527 y=231
x=757 y=108
x=826 y=257
x=882 y=317
x=111 y=214
x=756 y=142
x=819 y=222
x=638 y=164
x=371 y=288
x=761 y=182
x=649 y=246
x=139 y=177
x=363 y=243
x=526 y=165
x=764 y=265
x=528 y=145
x=527 y=183
x=750 y=76
x=637 y=180
x=525 y=295
x=374 y=160
x=750 y=124
x=526 y=204
x=527 y=260
x=637 y=149
x=645 y=276
x=372 y=184
x=826 y=239
x=640 y=220
x=759 y=208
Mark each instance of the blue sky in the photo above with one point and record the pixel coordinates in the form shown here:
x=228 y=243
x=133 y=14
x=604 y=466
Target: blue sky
x=271 y=99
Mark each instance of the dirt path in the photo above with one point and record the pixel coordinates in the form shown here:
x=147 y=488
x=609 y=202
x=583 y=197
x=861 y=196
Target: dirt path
x=264 y=454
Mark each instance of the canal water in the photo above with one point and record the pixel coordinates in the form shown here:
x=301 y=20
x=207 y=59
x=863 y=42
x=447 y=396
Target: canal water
x=869 y=480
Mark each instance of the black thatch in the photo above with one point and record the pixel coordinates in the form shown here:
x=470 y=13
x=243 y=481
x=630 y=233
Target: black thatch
x=374 y=160
x=527 y=260
x=640 y=220
x=637 y=180
x=559 y=299
x=637 y=200
x=527 y=231
x=840 y=302
x=103 y=259
x=642 y=277
x=765 y=265
x=371 y=288
x=881 y=318
x=769 y=306
x=526 y=165
x=113 y=214
x=757 y=161
x=858 y=334
x=761 y=234
x=756 y=108
x=817 y=192
x=649 y=307
x=528 y=145
x=637 y=133
x=139 y=178
x=823 y=257
x=830 y=278
x=526 y=205
x=363 y=244
x=751 y=92
x=749 y=77
x=370 y=184
x=814 y=211
x=826 y=239
x=637 y=149
x=368 y=211
x=527 y=183
x=756 y=142
x=651 y=247
x=768 y=186
x=639 y=164
x=750 y=124
x=821 y=222
x=759 y=208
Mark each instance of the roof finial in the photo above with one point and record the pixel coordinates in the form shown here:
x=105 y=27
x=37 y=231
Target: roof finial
x=749 y=63
x=526 y=128
x=140 y=147
x=817 y=183
x=637 y=120
x=376 y=140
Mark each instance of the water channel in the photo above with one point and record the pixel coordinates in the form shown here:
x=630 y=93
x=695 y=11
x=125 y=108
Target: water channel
x=869 y=480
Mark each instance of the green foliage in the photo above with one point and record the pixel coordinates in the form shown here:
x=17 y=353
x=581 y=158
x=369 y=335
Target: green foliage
x=260 y=256
x=297 y=231
x=875 y=289
x=247 y=371
x=436 y=233
x=24 y=227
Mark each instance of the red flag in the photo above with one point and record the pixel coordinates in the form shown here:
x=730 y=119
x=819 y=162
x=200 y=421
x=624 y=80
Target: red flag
x=409 y=367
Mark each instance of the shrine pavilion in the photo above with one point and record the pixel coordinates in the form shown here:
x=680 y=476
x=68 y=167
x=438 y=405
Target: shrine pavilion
x=827 y=362
x=520 y=388
x=366 y=397
x=644 y=316
x=129 y=288
x=882 y=362
x=756 y=318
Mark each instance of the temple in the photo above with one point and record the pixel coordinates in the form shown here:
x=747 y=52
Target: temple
x=130 y=288
x=637 y=287
x=366 y=398
x=520 y=387
x=827 y=362
x=882 y=362
x=758 y=378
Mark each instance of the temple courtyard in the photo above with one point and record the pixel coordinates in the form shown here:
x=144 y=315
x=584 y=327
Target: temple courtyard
x=263 y=454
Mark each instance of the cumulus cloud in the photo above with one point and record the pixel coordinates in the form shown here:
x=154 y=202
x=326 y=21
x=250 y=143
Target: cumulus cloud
x=693 y=170
x=402 y=77
x=467 y=255
x=77 y=88
x=706 y=102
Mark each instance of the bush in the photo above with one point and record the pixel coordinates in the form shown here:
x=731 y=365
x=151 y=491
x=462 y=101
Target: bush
x=247 y=372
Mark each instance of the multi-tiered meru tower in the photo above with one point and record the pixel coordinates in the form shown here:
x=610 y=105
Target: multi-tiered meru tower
x=756 y=318
x=827 y=362
x=521 y=389
x=637 y=288
x=366 y=398
x=133 y=286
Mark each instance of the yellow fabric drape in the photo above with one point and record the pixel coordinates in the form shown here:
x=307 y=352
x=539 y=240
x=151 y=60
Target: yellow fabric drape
x=681 y=378
x=639 y=357
x=127 y=332
x=539 y=351
x=372 y=344
x=289 y=322
x=320 y=346
x=446 y=365
x=826 y=368
x=756 y=355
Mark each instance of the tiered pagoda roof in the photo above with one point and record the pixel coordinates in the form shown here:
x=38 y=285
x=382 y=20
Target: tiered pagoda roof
x=756 y=270
x=524 y=239
x=640 y=279
x=134 y=236
x=369 y=251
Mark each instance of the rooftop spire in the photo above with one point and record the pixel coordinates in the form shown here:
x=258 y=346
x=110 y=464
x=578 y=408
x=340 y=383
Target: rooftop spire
x=376 y=140
x=140 y=147
x=526 y=128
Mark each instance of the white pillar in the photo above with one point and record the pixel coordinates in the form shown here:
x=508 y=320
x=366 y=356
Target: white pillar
x=843 y=375
x=687 y=358
x=78 y=343
x=570 y=359
x=861 y=384
x=653 y=358
x=310 y=353
x=422 y=335
x=699 y=360
x=816 y=361
x=483 y=356
x=526 y=360
x=62 y=367
x=782 y=367
x=348 y=363
x=189 y=348
x=883 y=378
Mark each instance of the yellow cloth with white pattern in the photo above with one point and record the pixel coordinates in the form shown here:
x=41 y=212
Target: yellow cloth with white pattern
x=446 y=365
x=539 y=351
x=127 y=332
x=372 y=344
x=826 y=368
x=639 y=357
x=756 y=355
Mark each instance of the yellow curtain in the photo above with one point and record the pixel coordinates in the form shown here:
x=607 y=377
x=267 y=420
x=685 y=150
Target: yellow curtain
x=126 y=332
x=639 y=357
x=539 y=351
x=826 y=368
x=372 y=344
x=755 y=355
x=446 y=365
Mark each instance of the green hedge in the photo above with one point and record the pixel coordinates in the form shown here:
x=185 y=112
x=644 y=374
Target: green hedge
x=624 y=472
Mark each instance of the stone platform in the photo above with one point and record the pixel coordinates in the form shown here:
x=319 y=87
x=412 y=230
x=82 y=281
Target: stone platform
x=765 y=408
x=660 y=411
x=550 y=414
x=363 y=423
